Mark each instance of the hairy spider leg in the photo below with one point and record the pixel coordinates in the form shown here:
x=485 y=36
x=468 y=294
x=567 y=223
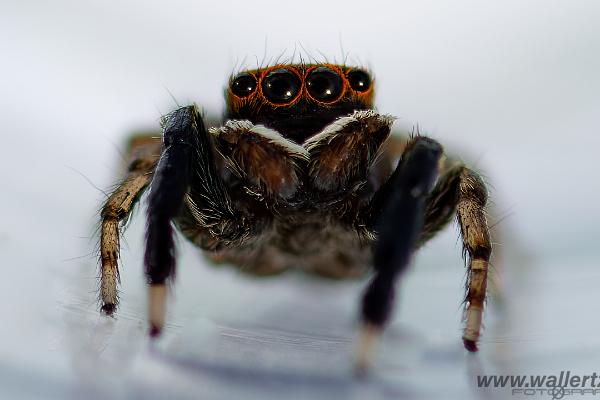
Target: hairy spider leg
x=186 y=188
x=144 y=152
x=185 y=147
x=460 y=190
x=399 y=216
x=472 y=197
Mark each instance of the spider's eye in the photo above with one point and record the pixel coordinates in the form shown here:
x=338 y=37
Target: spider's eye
x=280 y=86
x=324 y=84
x=243 y=85
x=359 y=80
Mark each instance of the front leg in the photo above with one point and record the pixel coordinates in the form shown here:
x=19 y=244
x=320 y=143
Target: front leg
x=184 y=172
x=398 y=219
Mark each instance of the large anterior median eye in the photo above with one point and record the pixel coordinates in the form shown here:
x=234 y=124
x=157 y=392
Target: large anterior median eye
x=324 y=84
x=243 y=85
x=280 y=86
x=359 y=80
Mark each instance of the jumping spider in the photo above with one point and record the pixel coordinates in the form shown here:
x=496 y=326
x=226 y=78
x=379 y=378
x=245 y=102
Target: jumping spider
x=303 y=174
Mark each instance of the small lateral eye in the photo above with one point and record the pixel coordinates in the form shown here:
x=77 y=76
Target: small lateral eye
x=324 y=84
x=280 y=86
x=243 y=85
x=359 y=80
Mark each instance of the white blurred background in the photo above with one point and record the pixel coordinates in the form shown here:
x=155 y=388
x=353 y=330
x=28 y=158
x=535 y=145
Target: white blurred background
x=513 y=86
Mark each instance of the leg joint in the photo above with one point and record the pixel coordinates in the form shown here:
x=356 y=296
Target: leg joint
x=180 y=126
x=472 y=188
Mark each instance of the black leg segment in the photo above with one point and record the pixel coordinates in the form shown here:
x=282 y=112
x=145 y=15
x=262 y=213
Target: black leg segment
x=398 y=219
x=185 y=148
x=169 y=186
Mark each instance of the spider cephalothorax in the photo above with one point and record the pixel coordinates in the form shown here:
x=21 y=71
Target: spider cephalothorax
x=302 y=174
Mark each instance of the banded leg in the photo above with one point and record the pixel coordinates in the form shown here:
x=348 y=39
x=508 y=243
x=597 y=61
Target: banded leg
x=472 y=197
x=144 y=153
x=460 y=190
x=398 y=222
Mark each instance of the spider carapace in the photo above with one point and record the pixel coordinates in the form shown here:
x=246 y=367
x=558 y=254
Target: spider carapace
x=303 y=173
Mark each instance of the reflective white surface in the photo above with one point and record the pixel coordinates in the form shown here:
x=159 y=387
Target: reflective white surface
x=513 y=86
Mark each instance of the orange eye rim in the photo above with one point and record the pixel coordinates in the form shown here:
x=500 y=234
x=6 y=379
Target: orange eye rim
x=335 y=69
x=257 y=99
x=365 y=97
x=235 y=77
x=360 y=70
x=290 y=68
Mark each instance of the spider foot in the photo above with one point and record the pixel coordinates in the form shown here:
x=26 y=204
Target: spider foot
x=154 y=331
x=108 y=309
x=470 y=345
x=472 y=328
x=367 y=339
x=157 y=297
